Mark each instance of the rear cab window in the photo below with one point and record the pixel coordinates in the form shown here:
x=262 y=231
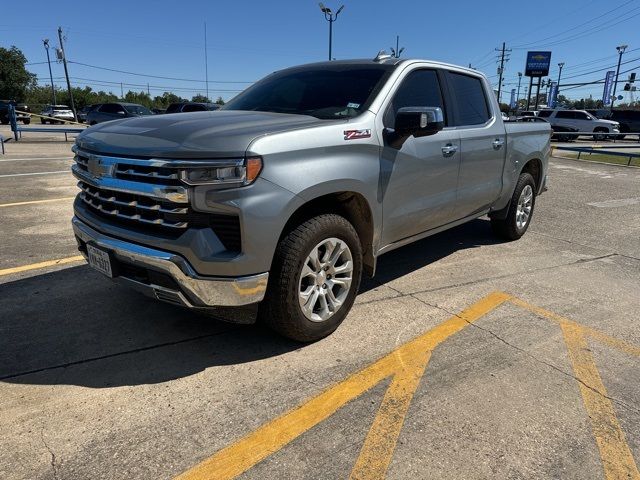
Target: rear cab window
x=471 y=106
x=545 y=113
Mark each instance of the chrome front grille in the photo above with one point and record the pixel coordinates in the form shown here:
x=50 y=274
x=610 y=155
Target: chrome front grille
x=147 y=194
x=133 y=207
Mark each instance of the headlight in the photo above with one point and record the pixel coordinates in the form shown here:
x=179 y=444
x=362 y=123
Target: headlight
x=227 y=175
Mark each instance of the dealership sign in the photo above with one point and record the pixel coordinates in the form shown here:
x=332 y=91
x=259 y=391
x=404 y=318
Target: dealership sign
x=608 y=86
x=537 y=64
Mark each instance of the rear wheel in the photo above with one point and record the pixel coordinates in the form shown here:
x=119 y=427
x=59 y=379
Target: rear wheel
x=518 y=218
x=314 y=279
x=26 y=121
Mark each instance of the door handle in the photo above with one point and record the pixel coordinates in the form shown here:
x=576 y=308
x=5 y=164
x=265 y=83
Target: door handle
x=448 y=150
x=497 y=143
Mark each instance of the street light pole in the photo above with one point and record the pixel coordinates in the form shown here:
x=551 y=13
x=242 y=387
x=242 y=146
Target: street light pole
x=560 y=65
x=518 y=94
x=621 y=49
x=330 y=17
x=53 y=89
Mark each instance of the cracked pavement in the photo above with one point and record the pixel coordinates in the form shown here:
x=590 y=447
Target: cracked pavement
x=99 y=382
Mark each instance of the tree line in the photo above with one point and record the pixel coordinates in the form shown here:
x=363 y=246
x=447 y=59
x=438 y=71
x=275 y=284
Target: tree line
x=82 y=96
x=17 y=83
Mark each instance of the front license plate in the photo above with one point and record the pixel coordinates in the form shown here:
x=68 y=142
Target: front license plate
x=99 y=259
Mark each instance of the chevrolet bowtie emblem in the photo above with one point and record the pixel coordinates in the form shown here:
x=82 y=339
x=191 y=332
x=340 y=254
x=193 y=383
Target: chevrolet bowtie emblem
x=97 y=169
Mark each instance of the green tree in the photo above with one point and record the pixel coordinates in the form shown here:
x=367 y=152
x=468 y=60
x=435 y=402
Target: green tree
x=15 y=80
x=141 y=98
x=220 y=101
x=201 y=99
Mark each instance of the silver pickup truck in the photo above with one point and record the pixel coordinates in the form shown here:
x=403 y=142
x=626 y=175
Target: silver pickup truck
x=296 y=186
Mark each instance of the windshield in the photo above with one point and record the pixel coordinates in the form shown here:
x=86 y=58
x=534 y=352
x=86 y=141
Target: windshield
x=137 y=110
x=327 y=92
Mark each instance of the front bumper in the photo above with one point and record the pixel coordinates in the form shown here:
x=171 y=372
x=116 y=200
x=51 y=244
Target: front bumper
x=185 y=287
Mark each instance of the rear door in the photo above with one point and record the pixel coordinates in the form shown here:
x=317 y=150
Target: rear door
x=483 y=144
x=418 y=179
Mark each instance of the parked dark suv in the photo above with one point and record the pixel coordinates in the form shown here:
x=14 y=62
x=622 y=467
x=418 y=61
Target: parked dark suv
x=191 y=107
x=629 y=120
x=114 y=111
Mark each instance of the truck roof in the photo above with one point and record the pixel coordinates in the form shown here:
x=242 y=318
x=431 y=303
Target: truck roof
x=384 y=63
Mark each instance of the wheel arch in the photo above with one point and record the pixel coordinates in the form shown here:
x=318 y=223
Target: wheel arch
x=351 y=205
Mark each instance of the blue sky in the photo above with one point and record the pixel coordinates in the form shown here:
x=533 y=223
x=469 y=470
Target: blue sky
x=249 y=39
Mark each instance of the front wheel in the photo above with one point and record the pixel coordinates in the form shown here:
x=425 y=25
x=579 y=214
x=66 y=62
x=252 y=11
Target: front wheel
x=314 y=279
x=600 y=134
x=518 y=218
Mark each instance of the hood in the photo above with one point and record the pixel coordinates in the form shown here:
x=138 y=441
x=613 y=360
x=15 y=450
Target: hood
x=192 y=135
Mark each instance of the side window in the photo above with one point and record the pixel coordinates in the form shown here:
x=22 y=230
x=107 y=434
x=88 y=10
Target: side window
x=564 y=114
x=582 y=116
x=472 y=107
x=193 y=108
x=420 y=88
x=109 y=108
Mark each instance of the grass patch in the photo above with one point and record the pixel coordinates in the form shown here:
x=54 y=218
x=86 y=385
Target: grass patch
x=600 y=157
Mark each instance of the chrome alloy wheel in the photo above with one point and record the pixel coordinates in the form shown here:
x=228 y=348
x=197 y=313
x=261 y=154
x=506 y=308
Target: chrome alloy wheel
x=325 y=279
x=525 y=204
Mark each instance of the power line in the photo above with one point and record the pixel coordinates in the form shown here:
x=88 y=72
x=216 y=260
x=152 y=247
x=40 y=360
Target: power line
x=156 y=76
x=539 y=42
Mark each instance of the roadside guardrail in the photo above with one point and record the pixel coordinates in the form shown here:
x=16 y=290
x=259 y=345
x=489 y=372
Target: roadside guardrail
x=601 y=151
x=17 y=130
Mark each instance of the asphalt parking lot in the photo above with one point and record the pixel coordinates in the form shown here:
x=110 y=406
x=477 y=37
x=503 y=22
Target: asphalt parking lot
x=464 y=358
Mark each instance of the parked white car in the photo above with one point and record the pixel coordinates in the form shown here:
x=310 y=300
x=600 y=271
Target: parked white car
x=61 y=112
x=581 y=120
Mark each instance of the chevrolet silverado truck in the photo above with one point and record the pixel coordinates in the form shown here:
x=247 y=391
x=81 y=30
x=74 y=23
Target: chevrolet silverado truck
x=290 y=192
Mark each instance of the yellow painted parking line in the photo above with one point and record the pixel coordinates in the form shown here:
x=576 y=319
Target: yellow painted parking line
x=377 y=451
x=271 y=437
x=617 y=459
x=591 y=332
x=406 y=365
x=33 y=202
x=36 y=266
x=616 y=456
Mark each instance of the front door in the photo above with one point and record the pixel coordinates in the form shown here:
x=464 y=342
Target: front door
x=418 y=179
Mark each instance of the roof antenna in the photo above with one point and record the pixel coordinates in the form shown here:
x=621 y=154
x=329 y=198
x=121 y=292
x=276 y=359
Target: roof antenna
x=382 y=55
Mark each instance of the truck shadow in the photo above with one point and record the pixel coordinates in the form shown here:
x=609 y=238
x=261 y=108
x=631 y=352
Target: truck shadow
x=73 y=327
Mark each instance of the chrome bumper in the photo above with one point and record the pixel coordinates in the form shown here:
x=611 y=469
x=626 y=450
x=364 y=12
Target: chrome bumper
x=195 y=291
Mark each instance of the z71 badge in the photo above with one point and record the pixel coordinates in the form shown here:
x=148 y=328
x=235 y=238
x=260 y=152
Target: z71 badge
x=355 y=134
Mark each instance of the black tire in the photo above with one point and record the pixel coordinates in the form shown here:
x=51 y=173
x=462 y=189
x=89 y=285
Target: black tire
x=43 y=121
x=280 y=309
x=4 y=122
x=507 y=228
x=26 y=121
x=600 y=134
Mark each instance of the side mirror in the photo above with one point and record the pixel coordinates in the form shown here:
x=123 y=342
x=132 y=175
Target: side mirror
x=121 y=113
x=419 y=121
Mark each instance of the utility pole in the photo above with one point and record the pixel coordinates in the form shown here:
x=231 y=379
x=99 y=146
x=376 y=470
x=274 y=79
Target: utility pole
x=330 y=17
x=518 y=94
x=560 y=65
x=66 y=74
x=503 y=58
x=398 y=51
x=206 y=66
x=53 y=89
x=148 y=93
x=621 y=49
x=121 y=91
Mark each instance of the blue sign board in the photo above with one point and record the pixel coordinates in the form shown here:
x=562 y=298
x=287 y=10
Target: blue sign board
x=537 y=64
x=553 y=95
x=608 y=86
x=512 y=103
